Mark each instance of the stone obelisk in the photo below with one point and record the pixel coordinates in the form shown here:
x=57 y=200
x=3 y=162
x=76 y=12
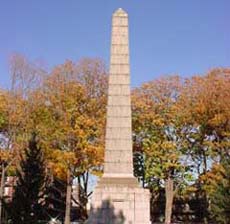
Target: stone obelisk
x=118 y=198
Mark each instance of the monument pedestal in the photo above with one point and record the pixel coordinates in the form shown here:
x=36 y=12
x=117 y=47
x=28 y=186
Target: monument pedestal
x=119 y=201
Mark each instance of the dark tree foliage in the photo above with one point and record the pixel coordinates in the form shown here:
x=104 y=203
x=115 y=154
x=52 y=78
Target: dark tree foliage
x=28 y=201
x=139 y=167
x=55 y=199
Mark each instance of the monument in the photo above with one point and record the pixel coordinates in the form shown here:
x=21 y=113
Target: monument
x=118 y=198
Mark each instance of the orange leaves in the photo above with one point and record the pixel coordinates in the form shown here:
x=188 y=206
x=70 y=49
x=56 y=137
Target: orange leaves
x=172 y=117
x=67 y=112
x=207 y=98
x=206 y=107
x=60 y=161
x=78 y=113
x=5 y=156
x=156 y=100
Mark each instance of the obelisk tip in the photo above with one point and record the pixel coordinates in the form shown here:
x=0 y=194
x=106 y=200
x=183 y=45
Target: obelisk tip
x=120 y=11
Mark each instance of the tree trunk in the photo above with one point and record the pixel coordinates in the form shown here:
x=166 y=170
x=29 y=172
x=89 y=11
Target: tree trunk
x=83 y=196
x=169 y=193
x=68 y=198
x=2 y=190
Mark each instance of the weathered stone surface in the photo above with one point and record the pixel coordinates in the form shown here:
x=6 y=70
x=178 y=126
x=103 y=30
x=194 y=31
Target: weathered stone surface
x=118 y=198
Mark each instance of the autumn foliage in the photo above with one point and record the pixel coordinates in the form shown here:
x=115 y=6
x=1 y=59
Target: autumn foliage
x=181 y=131
x=181 y=128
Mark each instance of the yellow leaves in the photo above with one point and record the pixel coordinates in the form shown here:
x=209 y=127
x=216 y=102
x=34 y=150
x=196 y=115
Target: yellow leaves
x=160 y=148
x=212 y=178
x=5 y=156
x=190 y=189
x=3 y=109
x=166 y=153
x=169 y=146
x=155 y=109
x=60 y=161
x=84 y=121
x=156 y=121
x=152 y=149
x=3 y=100
x=217 y=120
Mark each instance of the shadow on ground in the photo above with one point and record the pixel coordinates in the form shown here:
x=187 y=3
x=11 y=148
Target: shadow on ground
x=105 y=215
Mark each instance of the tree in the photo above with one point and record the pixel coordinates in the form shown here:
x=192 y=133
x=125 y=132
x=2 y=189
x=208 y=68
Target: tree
x=25 y=75
x=159 y=132
x=67 y=110
x=71 y=112
x=14 y=110
x=28 y=198
x=55 y=199
x=220 y=197
x=3 y=111
x=206 y=106
x=6 y=155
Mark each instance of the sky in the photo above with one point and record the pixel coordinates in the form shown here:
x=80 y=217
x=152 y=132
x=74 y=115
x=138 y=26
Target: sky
x=166 y=37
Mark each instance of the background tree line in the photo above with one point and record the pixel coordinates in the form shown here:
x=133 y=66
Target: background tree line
x=181 y=132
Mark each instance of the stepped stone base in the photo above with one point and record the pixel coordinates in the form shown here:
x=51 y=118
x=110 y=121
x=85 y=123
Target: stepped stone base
x=119 y=201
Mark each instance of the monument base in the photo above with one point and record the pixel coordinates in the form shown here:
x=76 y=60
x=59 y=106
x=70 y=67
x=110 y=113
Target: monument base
x=118 y=200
